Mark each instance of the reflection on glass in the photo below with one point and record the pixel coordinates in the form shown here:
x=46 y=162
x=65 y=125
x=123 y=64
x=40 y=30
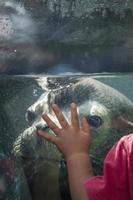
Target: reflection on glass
x=31 y=168
x=57 y=37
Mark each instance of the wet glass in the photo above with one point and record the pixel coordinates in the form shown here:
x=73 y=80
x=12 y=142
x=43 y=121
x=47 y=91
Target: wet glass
x=60 y=51
x=57 y=37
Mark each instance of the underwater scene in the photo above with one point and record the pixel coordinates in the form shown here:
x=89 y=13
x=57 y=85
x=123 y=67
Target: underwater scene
x=32 y=168
x=60 y=51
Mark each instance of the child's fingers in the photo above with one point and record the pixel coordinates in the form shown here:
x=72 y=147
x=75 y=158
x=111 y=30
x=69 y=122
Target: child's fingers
x=51 y=124
x=63 y=122
x=74 y=116
x=85 y=126
x=50 y=138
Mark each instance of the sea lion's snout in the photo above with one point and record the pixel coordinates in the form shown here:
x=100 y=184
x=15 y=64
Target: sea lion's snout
x=42 y=127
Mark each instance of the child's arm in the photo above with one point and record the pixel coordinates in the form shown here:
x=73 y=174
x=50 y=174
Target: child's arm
x=79 y=170
x=74 y=142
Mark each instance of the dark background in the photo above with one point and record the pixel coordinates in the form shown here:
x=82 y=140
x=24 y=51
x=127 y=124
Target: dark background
x=61 y=37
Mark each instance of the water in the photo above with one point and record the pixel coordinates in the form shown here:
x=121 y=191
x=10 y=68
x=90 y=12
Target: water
x=17 y=94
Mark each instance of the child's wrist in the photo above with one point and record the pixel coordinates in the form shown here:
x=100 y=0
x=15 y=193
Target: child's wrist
x=82 y=163
x=77 y=156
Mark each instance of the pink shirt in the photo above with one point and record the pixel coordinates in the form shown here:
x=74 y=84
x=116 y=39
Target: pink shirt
x=117 y=182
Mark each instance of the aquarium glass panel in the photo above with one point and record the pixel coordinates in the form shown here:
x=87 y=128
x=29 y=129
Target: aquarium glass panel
x=60 y=51
x=32 y=168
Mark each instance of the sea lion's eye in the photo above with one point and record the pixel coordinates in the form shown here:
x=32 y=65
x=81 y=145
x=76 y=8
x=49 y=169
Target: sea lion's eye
x=95 y=121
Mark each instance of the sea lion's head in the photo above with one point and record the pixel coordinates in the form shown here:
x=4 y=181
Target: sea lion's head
x=99 y=103
x=108 y=112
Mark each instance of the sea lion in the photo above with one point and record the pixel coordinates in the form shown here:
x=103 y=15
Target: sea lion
x=102 y=105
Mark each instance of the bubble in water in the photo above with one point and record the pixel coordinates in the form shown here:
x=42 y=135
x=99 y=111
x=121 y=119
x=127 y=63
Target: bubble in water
x=6 y=27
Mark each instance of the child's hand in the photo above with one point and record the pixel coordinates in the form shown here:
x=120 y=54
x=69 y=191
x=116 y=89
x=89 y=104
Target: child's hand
x=72 y=140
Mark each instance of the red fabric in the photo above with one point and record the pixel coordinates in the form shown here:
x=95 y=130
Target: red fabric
x=117 y=182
